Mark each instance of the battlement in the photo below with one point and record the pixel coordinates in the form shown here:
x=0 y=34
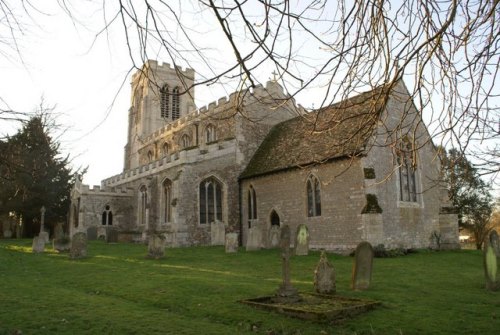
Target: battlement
x=189 y=155
x=218 y=106
x=98 y=190
x=156 y=66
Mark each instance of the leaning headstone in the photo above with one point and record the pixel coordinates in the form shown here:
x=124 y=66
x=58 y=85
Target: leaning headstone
x=363 y=265
x=92 y=233
x=78 y=246
x=156 y=246
x=217 y=233
x=490 y=260
x=38 y=245
x=274 y=237
x=254 y=239
x=111 y=235
x=231 y=242
x=302 y=241
x=324 y=276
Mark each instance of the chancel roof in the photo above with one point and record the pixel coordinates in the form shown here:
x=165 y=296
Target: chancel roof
x=339 y=130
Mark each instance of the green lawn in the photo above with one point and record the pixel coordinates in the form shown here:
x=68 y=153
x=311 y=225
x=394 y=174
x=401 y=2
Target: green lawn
x=195 y=291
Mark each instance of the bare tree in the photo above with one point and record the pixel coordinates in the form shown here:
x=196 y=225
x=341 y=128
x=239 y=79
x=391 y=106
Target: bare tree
x=447 y=52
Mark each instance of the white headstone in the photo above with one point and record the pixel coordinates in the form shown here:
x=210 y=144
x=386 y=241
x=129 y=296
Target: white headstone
x=217 y=233
x=254 y=239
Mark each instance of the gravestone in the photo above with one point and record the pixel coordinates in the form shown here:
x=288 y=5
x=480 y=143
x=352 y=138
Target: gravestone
x=44 y=236
x=362 y=268
x=111 y=235
x=286 y=292
x=490 y=261
x=92 y=233
x=61 y=244
x=254 y=239
x=78 y=246
x=38 y=244
x=302 y=240
x=324 y=276
x=274 y=236
x=58 y=231
x=7 y=233
x=231 y=242
x=217 y=233
x=156 y=246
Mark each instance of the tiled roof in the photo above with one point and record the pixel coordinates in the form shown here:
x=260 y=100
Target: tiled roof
x=336 y=131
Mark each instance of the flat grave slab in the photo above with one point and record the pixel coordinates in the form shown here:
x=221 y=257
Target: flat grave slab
x=316 y=307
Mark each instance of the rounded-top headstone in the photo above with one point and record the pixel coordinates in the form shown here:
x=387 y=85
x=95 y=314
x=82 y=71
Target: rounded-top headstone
x=78 y=246
x=363 y=265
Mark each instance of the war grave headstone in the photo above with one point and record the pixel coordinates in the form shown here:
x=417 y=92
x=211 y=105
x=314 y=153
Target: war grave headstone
x=38 y=244
x=217 y=233
x=78 y=246
x=231 y=242
x=92 y=233
x=156 y=246
x=362 y=267
x=302 y=240
x=274 y=237
x=491 y=256
x=111 y=235
x=324 y=276
x=254 y=239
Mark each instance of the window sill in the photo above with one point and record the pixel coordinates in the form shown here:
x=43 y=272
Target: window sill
x=408 y=204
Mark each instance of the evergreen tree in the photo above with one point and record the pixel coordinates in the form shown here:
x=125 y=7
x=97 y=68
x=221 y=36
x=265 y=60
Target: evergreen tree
x=469 y=194
x=33 y=174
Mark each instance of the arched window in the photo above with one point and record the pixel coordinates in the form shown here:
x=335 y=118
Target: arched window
x=150 y=156
x=252 y=205
x=407 y=173
x=107 y=216
x=176 y=104
x=210 y=201
x=210 y=134
x=275 y=219
x=167 y=201
x=164 y=149
x=76 y=212
x=185 y=141
x=164 y=102
x=143 y=203
x=313 y=196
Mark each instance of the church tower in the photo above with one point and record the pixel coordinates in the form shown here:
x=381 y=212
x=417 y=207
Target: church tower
x=160 y=95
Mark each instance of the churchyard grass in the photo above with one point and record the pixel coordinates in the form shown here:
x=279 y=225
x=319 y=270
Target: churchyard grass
x=116 y=290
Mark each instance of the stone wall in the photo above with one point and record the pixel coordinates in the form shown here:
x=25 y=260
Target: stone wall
x=342 y=200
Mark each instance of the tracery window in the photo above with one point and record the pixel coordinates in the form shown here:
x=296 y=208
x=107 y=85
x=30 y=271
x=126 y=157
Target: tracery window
x=107 y=216
x=407 y=173
x=313 y=197
x=210 y=134
x=210 y=201
x=185 y=141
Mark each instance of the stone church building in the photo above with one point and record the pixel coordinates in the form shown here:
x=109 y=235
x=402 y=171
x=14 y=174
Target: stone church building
x=363 y=169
